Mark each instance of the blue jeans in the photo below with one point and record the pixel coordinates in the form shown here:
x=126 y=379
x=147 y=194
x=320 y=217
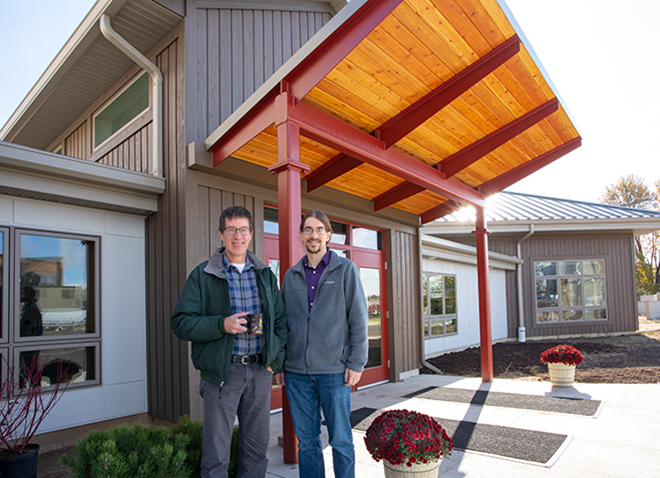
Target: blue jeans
x=246 y=394
x=307 y=395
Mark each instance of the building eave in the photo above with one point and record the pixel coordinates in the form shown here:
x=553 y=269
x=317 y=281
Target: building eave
x=27 y=172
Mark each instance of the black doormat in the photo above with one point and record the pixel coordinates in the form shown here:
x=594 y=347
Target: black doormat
x=573 y=406
x=525 y=445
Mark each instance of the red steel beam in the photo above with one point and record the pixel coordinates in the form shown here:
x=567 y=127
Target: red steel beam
x=332 y=169
x=511 y=177
x=463 y=158
x=326 y=129
x=403 y=123
x=486 y=336
x=477 y=150
x=339 y=44
x=244 y=131
x=396 y=194
x=439 y=211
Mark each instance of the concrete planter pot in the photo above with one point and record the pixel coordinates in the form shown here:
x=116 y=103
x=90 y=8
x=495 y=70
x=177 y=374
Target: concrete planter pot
x=561 y=375
x=417 y=470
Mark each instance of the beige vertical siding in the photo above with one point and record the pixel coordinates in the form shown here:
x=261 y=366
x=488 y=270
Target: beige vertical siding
x=404 y=304
x=77 y=143
x=620 y=280
x=167 y=356
x=615 y=248
x=238 y=50
x=133 y=153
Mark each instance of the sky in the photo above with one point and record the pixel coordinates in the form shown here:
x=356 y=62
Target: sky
x=601 y=56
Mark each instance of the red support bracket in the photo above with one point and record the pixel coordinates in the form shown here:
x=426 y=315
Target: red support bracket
x=333 y=132
x=244 y=131
x=332 y=169
x=439 y=211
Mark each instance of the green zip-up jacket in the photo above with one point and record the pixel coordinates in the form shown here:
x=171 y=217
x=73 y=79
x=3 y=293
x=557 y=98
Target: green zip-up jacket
x=203 y=306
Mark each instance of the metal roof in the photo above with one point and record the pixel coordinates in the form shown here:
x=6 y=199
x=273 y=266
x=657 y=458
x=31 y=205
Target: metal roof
x=509 y=211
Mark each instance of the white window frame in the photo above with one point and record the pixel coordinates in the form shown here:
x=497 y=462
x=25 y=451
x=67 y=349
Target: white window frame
x=444 y=317
x=560 y=308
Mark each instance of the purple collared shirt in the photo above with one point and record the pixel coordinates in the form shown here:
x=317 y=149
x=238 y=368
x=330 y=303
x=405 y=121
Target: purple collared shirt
x=313 y=275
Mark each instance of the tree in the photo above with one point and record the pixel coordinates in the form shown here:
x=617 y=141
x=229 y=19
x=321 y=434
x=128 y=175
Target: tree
x=631 y=191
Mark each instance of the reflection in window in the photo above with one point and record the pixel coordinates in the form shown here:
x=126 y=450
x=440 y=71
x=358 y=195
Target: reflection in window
x=425 y=295
x=435 y=294
x=271 y=221
x=545 y=268
x=371 y=284
x=3 y=286
x=569 y=268
x=274 y=265
x=56 y=286
x=571 y=292
x=439 y=307
x=450 y=292
x=339 y=233
x=367 y=238
x=581 y=295
x=342 y=253
x=546 y=293
x=73 y=365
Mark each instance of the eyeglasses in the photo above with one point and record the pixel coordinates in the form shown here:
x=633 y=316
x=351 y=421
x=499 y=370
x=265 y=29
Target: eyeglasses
x=309 y=230
x=244 y=231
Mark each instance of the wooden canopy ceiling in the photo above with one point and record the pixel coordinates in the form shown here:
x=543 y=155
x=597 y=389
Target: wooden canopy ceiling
x=421 y=105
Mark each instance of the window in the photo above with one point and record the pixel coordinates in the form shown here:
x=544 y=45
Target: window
x=439 y=304
x=343 y=234
x=132 y=101
x=570 y=291
x=50 y=304
x=4 y=281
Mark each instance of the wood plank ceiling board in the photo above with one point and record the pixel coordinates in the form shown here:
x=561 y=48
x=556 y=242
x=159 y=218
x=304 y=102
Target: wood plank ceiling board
x=449 y=81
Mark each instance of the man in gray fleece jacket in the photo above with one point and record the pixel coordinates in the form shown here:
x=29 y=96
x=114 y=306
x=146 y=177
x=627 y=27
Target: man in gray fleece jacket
x=326 y=348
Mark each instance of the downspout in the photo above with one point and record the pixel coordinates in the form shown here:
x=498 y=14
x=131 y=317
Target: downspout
x=156 y=89
x=521 y=318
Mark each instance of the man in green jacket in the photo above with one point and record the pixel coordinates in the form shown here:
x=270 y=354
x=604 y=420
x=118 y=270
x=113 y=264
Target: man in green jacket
x=236 y=362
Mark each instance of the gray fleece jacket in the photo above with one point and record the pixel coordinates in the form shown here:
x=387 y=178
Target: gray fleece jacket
x=333 y=335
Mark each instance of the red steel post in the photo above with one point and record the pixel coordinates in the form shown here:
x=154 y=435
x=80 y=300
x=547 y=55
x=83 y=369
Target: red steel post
x=481 y=234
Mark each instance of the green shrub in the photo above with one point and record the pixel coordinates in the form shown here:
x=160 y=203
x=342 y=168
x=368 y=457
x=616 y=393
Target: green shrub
x=139 y=451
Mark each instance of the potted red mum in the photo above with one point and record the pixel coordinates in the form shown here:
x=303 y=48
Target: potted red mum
x=562 y=361
x=408 y=441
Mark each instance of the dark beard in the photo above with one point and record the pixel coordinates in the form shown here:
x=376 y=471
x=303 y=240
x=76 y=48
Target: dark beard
x=318 y=248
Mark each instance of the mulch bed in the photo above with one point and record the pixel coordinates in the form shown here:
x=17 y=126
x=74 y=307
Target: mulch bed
x=633 y=358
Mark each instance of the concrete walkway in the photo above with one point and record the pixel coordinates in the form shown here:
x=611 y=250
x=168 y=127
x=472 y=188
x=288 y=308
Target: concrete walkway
x=622 y=440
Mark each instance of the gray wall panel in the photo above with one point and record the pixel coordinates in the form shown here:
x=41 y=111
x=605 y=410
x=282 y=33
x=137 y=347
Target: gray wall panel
x=238 y=50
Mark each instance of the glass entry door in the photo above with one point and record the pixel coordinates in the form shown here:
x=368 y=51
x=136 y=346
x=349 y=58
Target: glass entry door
x=365 y=248
x=372 y=272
